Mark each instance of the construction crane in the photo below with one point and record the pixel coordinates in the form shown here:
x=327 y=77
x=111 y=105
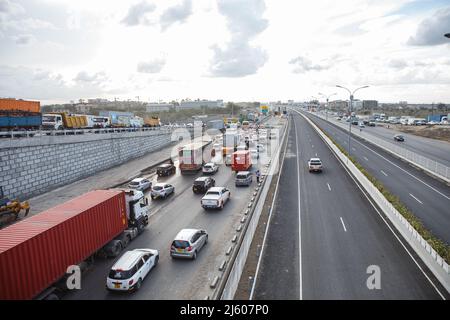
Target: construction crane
x=10 y=209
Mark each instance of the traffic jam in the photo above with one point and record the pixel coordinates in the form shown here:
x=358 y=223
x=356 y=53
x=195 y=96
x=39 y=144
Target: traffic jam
x=214 y=175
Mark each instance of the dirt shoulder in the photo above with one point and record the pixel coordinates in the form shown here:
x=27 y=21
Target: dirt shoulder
x=438 y=132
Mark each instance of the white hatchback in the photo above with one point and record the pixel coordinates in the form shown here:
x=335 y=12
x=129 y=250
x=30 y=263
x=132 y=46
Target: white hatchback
x=131 y=269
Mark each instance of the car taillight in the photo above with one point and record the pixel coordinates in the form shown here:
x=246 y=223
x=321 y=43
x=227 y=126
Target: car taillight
x=189 y=248
x=130 y=282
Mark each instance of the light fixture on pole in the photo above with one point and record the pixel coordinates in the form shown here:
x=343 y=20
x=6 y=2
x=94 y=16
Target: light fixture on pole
x=447 y=35
x=350 y=107
x=327 y=97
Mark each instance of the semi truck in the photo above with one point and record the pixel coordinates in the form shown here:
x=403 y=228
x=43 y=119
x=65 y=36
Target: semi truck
x=192 y=156
x=231 y=139
x=216 y=124
x=36 y=253
x=20 y=115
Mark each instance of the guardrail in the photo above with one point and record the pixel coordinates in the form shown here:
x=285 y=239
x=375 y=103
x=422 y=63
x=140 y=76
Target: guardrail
x=423 y=249
x=225 y=284
x=433 y=167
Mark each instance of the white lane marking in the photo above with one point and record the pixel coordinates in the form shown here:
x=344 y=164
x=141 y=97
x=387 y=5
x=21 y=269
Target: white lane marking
x=329 y=188
x=343 y=224
x=316 y=154
x=416 y=199
x=387 y=224
x=384 y=173
x=365 y=158
x=353 y=149
x=312 y=146
x=299 y=220
x=432 y=188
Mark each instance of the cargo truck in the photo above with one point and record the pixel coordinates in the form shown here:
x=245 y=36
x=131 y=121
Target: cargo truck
x=62 y=120
x=242 y=161
x=216 y=124
x=20 y=115
x=35 y=253
x=152 y=121
x=231 y=139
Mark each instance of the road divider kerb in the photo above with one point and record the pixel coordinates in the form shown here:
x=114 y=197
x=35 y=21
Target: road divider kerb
x=232 y=273
x=214 y=282
x=435 y=263
x=222 y=265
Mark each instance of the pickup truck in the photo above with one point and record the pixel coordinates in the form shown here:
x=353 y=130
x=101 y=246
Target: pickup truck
x=215 y=198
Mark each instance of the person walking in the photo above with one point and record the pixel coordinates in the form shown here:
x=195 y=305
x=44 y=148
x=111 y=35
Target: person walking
x=258 y=175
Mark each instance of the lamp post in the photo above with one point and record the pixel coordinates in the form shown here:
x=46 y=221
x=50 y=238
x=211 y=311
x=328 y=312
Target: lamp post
x=327 y=97
x=447 y=35
x=350 y=107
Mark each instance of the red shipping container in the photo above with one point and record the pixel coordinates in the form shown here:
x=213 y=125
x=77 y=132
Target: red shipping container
x=242 y=161
x=35 y=252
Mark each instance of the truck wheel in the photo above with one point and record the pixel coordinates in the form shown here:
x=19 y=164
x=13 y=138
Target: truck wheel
x=140 y=227
x=52 y=296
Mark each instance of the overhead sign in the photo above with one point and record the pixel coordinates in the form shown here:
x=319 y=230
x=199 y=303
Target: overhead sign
x=264 y=109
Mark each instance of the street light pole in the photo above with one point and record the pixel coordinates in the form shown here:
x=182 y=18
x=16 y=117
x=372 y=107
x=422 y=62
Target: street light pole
x=326 y=108
x=350 y=107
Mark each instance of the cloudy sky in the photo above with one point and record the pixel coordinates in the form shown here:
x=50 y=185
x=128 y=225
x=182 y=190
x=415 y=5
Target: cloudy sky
x=236 y=50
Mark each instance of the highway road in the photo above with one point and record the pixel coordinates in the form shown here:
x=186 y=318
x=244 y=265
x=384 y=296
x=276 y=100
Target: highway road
x=325 y=234
x=172 y=278
x=426 y=197
x=433 y=149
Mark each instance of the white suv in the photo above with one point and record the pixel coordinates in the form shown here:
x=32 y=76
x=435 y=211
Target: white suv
x=314 y=164
x=210 y=168
x=130 y=270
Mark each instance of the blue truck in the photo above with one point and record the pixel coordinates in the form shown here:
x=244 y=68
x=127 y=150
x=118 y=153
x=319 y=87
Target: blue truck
x=20 y=120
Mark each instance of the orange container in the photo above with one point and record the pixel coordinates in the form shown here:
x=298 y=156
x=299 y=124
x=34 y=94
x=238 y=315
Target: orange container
x=20 y=105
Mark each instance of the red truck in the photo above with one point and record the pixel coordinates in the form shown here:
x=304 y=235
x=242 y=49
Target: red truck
x=35 y=253
x=242 y=160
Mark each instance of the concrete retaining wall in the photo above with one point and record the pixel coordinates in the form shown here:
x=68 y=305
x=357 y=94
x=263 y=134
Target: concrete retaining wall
x=29 y=169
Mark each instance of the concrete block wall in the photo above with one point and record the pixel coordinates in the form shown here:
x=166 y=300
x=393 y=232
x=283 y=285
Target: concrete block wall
x=30 y=170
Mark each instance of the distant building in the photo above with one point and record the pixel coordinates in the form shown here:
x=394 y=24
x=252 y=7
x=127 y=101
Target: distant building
x=97 y=101
x=370 y=104
x=338 y=105
x=198 y=104
x=158 y=107
x=357 y=105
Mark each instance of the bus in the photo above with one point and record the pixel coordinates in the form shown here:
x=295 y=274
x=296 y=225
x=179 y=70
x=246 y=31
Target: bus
x=192 y=157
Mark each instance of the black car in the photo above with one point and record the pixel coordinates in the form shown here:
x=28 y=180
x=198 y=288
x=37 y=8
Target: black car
x=399 y=137
x=165 y=169
x=202 y=184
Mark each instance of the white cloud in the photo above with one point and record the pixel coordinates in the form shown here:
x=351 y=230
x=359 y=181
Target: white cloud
x=239 y=58
x=137 y=14
x=430 y=31
x=176 y=14
x=153 y=66
x=304 y=64
x=24 y=39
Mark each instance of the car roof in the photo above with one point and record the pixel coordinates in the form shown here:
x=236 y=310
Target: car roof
x=209 y=164
x=127 y=260
x=314 y=159
x=165 y=165
x=160 y=184
x=215 y=189
x=201 y=178
x=185 y=234
x=138 y=179
x=243 y=172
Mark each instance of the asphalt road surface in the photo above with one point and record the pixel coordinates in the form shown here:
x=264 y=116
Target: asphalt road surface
x=173 y=278
x=426 y=197
x=325 y=234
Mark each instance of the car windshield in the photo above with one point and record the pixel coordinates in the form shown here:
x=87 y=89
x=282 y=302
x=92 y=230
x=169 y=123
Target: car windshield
x=213 y=193
x=157 y=188
x=120 y=274
x=241 y=176
x=134 y=183
x=180 y=244
x=315 y=162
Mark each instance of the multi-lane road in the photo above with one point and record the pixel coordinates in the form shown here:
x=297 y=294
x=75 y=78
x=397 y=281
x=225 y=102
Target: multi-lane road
x=172 y=278
x=326 y=237
x=426 y=197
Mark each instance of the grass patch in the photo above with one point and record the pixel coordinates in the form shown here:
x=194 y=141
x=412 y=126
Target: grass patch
x=442 y=248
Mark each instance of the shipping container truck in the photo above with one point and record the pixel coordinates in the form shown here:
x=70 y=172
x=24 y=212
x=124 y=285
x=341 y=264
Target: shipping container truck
x=35 y=253
x=118 y=118
x=231 y=139
x=20 y=115
x=241 y=160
